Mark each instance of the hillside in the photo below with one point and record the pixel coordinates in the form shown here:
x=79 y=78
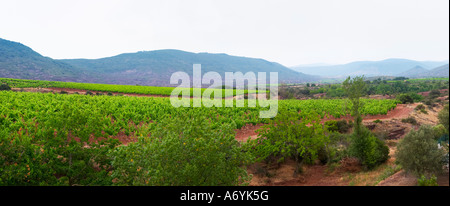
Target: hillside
x=152 y=68
x=388 y=67
x=417 y=71
x=156 y=67
x=441 y=71
x=20 y=61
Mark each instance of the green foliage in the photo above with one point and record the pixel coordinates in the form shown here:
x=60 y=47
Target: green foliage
x=166 y=91
x=410 y=120
x=355 y=89
x=287 y=137
x=418 y=152
x=341 y=126
x=421 y=108
x=332 y=125
x=439 y=131
x=377 y=121
x=370 y=150
x=443 y=117
x=434 y=93
x=186 y=151
x=75 y=132
x=405 y=99
x=424 y=181
x=5 y=87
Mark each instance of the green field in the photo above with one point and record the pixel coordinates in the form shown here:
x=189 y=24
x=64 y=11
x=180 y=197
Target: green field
x=128 y=89
x=61 y=139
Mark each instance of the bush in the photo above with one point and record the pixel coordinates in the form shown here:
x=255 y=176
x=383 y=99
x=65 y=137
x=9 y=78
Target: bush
x=424 y=181
x=341 y=126
x=439 y=131
x=405 y=98
x=332 y=126
x=183 y=151
x=370 y=150
x=63 y=92
x=5 y=87
x=410 y=120
x=421 y=108
x=344 y=126
x=288 y=137
x=89 y=93
x=377 y=121
x=110 y=94
x=434 y=93
x=418 y=152
x=443 y=117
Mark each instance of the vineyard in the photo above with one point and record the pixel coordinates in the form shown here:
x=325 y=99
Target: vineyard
x=128 y=89
x=58 y=139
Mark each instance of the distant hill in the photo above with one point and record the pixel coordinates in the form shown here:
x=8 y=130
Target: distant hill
x=156 y=67
x=388 y=67
x=152 y=68
x=417 y=71
x=441 y=71
x=20 y=61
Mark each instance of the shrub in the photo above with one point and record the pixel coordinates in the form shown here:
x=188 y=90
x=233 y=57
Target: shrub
x=443 y=117
x=110 y=94
x=183 y=151
x=405 y=98
x=341 y=126
x=424 y=181
x=89 y=93
x=63 y=92
x=5 y=87
x=370 y=150
x=332 y=126
x=434 y=93
x=439 y=131
x=410 y=120
x=344 y=126
x=287 y=137
x=377 y=121
x=420 y=107
x=418 y=152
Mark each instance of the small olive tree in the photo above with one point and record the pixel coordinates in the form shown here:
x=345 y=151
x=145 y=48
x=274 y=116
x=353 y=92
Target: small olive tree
x=418 y=152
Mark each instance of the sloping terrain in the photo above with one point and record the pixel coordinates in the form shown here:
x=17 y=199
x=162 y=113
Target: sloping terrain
x=151 y=68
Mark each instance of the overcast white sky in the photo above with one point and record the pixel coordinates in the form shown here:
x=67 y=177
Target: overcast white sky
x=290 y=32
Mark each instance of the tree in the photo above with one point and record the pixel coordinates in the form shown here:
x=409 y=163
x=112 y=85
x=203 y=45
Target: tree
x=369 y=150
x=288 y=137
x=355 y=88
x=418 y=152
x=443 y=117
x=183 y=151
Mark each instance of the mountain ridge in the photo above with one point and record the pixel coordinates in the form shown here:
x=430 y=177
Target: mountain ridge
x=152 y=68
x=387 y=67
